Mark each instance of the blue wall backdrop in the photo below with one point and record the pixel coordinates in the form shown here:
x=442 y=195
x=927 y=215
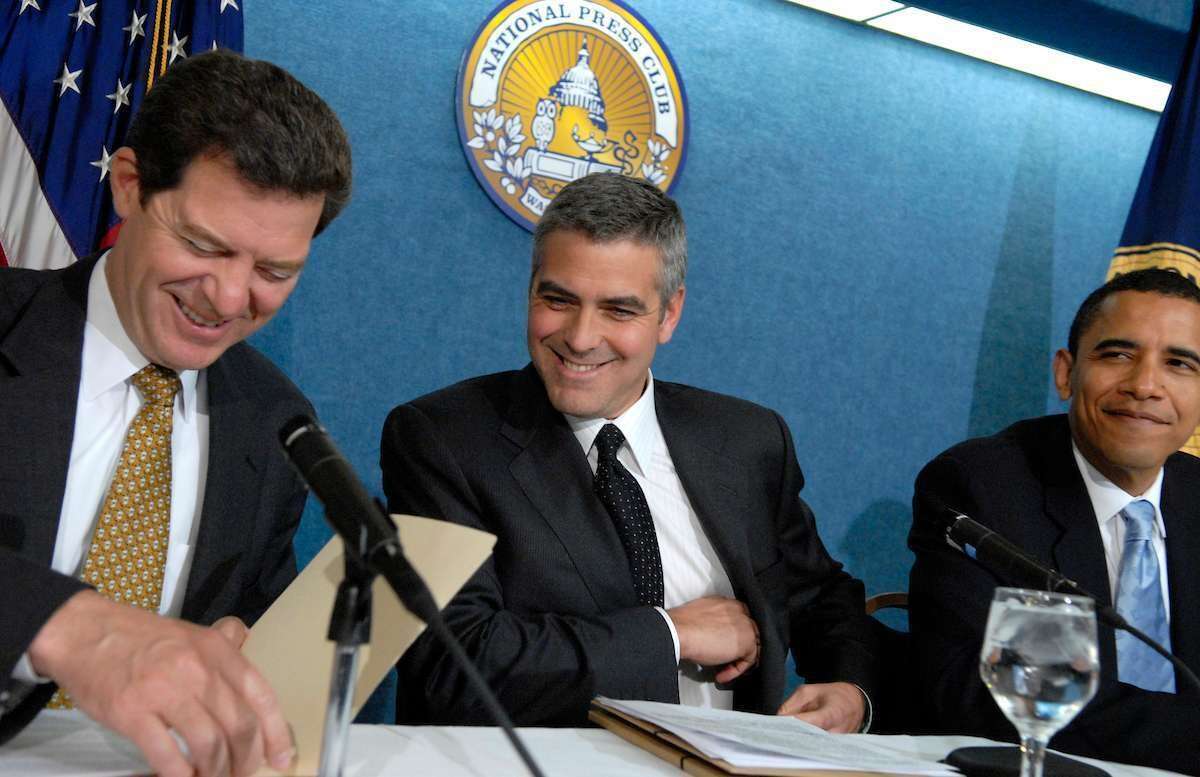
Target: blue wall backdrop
x=887 y=240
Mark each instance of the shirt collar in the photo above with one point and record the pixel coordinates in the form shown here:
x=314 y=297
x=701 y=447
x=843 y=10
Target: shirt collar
x=1108 y=499
x=109 y=357
x=637 y=424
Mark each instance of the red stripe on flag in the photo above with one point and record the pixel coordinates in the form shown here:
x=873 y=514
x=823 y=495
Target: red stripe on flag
x=110 y=236
x=3 y=258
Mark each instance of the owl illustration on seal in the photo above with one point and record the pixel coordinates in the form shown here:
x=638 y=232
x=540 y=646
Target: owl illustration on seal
x=543 y=123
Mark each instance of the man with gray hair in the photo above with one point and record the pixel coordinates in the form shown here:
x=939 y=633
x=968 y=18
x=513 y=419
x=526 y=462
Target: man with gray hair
x=652 y=542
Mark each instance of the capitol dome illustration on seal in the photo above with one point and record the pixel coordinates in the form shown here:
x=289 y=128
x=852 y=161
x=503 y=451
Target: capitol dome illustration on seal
x=551 y=91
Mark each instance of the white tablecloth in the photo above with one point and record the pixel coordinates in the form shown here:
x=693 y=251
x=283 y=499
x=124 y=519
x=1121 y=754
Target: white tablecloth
x=68 y=745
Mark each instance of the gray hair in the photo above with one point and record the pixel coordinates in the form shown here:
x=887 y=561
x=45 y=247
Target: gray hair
x=608 y=206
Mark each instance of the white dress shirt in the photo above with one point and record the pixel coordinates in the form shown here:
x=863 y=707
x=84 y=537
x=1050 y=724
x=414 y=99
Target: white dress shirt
x=691 y=569
x=106 y=405
x=1108 y=500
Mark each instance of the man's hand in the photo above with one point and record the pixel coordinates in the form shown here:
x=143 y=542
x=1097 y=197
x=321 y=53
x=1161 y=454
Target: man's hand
x=836 y=707
x=141 y=675
x=232 y=629
x=716 y=631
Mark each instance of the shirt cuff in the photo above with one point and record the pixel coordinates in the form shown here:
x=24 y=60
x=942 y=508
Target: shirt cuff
x=675 y=637
x=24 y=672
x=869 y=714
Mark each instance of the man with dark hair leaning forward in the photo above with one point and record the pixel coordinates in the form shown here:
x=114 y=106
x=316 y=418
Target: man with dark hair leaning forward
x=141 y=475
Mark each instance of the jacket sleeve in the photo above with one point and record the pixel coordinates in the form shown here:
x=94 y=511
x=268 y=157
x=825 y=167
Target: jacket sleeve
x=831 y=637
x=29 y=595
x=948 y=598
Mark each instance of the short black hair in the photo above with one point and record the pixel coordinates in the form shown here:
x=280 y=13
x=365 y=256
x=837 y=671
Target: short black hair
x=278 y=134
x=1155 y=280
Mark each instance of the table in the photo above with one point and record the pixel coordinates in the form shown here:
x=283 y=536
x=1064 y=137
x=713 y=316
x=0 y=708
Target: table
x=69 y=745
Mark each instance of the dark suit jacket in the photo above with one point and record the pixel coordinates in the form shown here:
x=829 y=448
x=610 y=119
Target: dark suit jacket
x=552 y=618
x=252 y=500
x=1024 y=483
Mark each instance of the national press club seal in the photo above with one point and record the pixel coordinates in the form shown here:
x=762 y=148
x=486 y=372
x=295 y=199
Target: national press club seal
x=552 y=90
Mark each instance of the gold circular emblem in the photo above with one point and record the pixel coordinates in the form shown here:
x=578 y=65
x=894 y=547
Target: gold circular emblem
x=552 y=90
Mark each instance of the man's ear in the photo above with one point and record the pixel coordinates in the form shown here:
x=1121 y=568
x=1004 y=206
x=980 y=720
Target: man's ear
x=674 y=309
x=1063 y=362
x=124 y=182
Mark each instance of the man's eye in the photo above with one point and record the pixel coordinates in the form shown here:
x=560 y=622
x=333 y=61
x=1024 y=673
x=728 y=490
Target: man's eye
x=1182 y=364
x=199 y=249
x=556 y=303
x=275 y=274
x=1114 y=355
x=621 y=314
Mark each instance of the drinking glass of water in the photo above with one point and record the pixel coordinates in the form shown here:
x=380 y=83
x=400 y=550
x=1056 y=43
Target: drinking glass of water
x=1041 y=664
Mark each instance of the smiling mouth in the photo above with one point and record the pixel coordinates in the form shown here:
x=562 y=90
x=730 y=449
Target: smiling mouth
x=577 y=366
x=1136 y=416
x=195 y=317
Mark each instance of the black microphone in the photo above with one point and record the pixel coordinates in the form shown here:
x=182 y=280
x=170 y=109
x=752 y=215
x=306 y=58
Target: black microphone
x=354 y=514
x=998 y=554
x=362 y=523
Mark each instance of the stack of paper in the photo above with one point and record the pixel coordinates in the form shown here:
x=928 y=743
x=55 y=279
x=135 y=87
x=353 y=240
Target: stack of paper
x=748 y=742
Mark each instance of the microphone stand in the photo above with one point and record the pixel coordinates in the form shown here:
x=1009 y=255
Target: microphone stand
x=349 y=629
x=372 y=547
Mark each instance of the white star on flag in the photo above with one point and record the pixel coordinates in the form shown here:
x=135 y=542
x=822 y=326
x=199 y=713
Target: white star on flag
x=227 y=3
x=104 y=162
x=176 y=47
x=121 y=96
x=67 y=80
x=136 y=27
x=84 y=15
x=214 y=46
x=52 y=209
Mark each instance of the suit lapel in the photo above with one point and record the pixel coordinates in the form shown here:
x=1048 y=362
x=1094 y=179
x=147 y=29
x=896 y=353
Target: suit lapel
x=552 y=470
x=1183 y=558
x=714 y=485
x=231 y=494
x=1078 y=550
x=44 y=349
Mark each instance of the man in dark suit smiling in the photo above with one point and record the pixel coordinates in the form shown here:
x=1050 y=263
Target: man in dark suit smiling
x=139 y=471
x=652 y=542
x=1103 y=495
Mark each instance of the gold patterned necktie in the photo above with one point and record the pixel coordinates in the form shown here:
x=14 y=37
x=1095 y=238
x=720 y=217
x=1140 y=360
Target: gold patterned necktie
x=129 y=546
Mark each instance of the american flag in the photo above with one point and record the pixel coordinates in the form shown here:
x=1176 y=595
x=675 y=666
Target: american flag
x=72 y=73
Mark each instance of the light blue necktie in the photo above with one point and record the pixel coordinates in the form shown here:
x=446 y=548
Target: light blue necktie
x=1140 y=601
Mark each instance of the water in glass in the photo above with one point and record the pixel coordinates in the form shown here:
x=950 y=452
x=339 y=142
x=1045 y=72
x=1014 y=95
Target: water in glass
x=1041 y=663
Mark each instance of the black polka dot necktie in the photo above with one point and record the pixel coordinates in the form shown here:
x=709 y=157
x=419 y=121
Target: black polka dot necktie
x=626 y=504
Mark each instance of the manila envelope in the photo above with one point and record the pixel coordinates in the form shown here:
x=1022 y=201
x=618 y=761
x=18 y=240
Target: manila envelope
x=289 y=646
